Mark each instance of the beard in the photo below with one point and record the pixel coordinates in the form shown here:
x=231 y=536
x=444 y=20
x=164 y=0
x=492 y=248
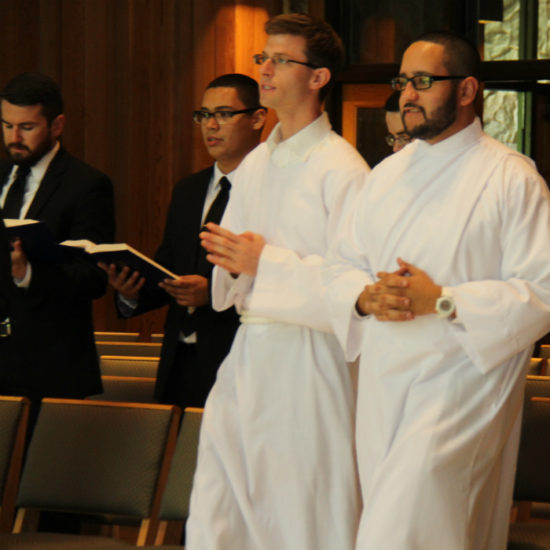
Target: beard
x=33 y=155
x=441 y=119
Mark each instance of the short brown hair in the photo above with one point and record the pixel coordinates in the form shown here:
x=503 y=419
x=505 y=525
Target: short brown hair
x=323 y=46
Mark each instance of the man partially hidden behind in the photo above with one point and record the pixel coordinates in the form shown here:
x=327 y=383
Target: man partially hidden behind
x=276 y=468
x=51 y=349
x=446 y=339
x=197 y=338
x=397 y=137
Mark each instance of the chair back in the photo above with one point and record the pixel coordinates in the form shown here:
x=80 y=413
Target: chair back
x=544 y=351
x=532 y=481
x=537 y=366
x=175 y=501
x=98 y=457
x=14 y=417
x=134 y=389
x=137 y=349
x=116 y=336
x=120 y=365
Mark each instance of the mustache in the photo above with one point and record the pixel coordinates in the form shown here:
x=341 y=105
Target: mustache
x=18 y=146
x=414 y=106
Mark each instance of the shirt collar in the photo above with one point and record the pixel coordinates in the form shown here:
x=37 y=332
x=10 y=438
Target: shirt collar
x=298 y=147
x=463 y=138
x=218 y=175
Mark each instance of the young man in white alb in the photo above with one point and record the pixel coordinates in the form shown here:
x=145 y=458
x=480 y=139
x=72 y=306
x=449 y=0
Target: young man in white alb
x=276 y=464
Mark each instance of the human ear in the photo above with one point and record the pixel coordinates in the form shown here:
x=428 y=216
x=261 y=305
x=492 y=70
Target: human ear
x=258 y=119
x=320 y=78
x=57 y=125
x=467 y=91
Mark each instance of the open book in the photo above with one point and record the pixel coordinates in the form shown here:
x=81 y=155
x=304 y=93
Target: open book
x=37 y=240
x=122 y=255
x=40 y=245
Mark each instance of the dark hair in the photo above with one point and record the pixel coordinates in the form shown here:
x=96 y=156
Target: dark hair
x=247 y=88
x=35 y=89
x=461 y=56
x=392 y=103
x=323 y=46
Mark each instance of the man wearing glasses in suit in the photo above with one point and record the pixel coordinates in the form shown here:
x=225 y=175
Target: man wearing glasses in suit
x=197 y=338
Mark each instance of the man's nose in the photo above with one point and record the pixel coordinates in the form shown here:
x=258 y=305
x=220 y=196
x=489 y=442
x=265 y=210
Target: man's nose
x=211 y=122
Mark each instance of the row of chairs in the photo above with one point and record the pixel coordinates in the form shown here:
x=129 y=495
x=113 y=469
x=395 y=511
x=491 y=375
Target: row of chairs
x=128 y=378
x=121 y=461
x=128 y=367
x=532 y=484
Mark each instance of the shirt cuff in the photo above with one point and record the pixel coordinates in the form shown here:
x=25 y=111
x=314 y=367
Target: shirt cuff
x=25 y=282
x=126 y=306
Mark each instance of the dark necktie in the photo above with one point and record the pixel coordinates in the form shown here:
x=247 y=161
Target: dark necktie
x=215 y=214
x=14 y=198
x=203 y=266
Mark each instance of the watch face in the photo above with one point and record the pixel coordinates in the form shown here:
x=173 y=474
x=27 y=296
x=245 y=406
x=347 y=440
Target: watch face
x=445 y=306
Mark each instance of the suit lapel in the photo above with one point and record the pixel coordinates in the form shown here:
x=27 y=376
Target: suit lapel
x=5 y=169
x=191 y=232
x=53 y=178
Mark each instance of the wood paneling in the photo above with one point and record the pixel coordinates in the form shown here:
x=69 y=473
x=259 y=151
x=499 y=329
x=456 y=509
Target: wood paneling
x=132 y=71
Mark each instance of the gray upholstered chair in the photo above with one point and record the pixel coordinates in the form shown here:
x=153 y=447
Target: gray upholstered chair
x=122 y=365
x=537 y=366
x=175 y=501
x=116 y=336
x=544 y=351
x=14 y=416
x=532 y=479
x=135 y=389
x=92 y=457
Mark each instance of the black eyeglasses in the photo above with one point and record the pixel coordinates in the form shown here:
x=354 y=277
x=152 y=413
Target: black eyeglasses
x=279 y=60
x=402 y=139
x=419 y=82
x=221 y=116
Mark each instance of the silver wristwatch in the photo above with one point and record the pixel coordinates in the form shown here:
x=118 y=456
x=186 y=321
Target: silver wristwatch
x=445 y=305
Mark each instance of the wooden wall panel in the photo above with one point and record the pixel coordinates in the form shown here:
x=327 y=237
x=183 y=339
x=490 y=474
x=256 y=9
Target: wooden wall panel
x=132 y=72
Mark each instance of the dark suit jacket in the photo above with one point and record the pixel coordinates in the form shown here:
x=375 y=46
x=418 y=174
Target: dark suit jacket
x=51 y=351
x=178 y=252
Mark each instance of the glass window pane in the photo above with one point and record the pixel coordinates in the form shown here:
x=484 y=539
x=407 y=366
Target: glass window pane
x=500 y=116
x=501 y=39
x=544 y=30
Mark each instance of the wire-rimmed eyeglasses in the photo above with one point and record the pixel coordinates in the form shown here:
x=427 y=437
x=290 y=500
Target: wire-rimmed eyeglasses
x=280 y=60
x=419 y=82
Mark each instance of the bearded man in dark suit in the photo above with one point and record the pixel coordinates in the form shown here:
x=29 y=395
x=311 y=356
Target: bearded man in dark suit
x=50 y=351
x=197 y=338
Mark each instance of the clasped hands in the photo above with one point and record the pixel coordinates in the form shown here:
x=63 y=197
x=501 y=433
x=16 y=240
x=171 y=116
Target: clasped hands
x=234 y=253
x=399 y=296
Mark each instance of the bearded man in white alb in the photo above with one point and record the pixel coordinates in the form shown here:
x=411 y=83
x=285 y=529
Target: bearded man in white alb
x=445 y=340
